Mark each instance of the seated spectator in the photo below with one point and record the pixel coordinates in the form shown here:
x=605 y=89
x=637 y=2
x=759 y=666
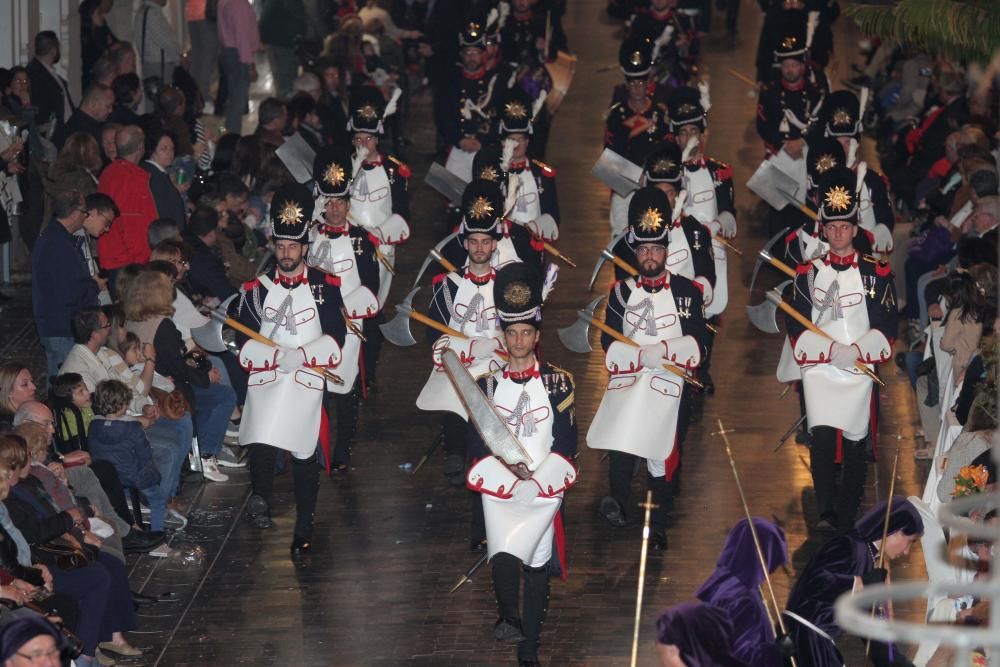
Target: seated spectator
x=272 y=117
x=98 y=101
x=103 y=72
x=72 y=407
x=16 y=388
x=100 y=587
x=116 y=438
x=170 y=107
x=31 y=641
x=108 y=149
x=163 y=229
x=61 y=280
x=76 y=168
x=128 y=99
x=208 y=271
x=167 y=194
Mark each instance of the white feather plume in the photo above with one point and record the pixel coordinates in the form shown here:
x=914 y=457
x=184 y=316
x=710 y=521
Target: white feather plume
x=862 y=170
x=390 y=108
x=665 y=36
x=504 y=13
x=689 y=148
x=706 y=98
x=852 y=152
x=865 y=92
x=492 y=17
x=539 y=103
x=360 y=155
x=678 y=205
x=656 y=53
x=512 y=80
x=507 y=153
x=549 y=283
x=811 y=25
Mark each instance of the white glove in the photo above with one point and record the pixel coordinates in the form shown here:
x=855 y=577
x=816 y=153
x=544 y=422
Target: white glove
x=883 y=239
x=288 y=359
x=651 y=356
x=482 y=347
x=727 y=224
x=843 y=356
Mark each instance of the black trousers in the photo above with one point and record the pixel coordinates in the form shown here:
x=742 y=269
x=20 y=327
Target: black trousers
x=842 y=503
x=107 y=475
x=454 y=429
x=507 y=574
x=344 y=409
x=305 y=475
x=372 y=346
x=620 y=471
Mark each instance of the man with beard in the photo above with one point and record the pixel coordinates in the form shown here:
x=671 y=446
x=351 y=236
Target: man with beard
x=638 y=416
x=300 y=309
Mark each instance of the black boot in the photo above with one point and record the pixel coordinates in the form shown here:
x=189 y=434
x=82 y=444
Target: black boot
x=536 y=606
x=507 y=585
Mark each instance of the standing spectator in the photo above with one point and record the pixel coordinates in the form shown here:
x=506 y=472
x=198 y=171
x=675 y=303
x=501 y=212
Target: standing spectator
x=159 y=50
x=76 y=168
x=282 y=26
x=170 y=106
x=96 y=106
x=331 y=110
x=128 y=98
x=128 y=184
x=61 y=282
x=95 y=34
x=272 y=117
x=239 y=39
x=17 y=97
x=108 y=149
x=50 y=91
x=122 y=54
x=168 y=199
x=204 y=43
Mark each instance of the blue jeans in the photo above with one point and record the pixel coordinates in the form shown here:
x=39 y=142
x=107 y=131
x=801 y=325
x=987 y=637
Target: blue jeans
x=56 y=350
x=171 y=442
x=238 y=85
x=157 y=499
x=213 y=405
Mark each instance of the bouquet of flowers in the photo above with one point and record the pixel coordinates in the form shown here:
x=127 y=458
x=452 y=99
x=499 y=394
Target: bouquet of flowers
x=970 y=480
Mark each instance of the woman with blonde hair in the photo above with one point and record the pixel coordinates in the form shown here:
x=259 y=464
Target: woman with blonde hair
x=16 y=387
x=148 y=311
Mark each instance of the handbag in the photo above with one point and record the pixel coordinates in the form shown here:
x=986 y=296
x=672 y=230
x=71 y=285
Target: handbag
x=171 y=404
x=65 y=557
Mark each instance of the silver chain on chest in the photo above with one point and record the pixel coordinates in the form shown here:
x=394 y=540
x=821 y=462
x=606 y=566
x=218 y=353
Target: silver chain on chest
x=474 y=308
x=829 y=302
x=646 y=321
x=522 y=418
x=284 y=315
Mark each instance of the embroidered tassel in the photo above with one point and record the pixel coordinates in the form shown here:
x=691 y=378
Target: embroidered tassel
x=529 y=425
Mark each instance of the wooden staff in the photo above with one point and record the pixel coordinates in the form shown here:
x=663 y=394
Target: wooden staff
x=247 y=331
x=728 y=245
x=745 y=79
x=622 y=338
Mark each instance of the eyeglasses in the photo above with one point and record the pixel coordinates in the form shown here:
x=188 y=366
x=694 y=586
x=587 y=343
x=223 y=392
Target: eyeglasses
x=36 y=656
x=650 y=250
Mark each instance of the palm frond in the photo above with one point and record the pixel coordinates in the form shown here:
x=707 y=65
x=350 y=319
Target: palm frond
x=967 y=30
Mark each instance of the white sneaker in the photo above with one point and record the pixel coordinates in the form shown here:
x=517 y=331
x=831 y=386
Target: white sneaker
x=228 y=457
x=162 y=551
x=210 y=469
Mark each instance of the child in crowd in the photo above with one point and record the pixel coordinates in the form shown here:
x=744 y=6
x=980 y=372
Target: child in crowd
x=72 y=403
x=119 y=439
x=131 y=351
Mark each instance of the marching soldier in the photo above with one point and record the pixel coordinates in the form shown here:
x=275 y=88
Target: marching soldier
x=676 y=35
x=637 y=119
x=852 y=299
x=710 y=198
x=844 y=112
x=516 y=243
x=521 y=503
x=464 y=302
x=379 y=201
x=816 y=24
x=477 y=92
x=531 y=184
x=299 y=309
x=347 y=251
x=638 y=416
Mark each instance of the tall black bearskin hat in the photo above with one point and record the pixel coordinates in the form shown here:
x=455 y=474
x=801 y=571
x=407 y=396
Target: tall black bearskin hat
x=842 y=111
x=291 y=212
x=487 y=164
x=793 y=39
x=838 y=198
x=517 y=111
x=482 y=209
x=635 y=57
x=649 y=217
x=663 y=164
x=473 y=35
x=824 y=154
x=332 y=171
x=517 y=294
x=367 y=111
x=688 y=107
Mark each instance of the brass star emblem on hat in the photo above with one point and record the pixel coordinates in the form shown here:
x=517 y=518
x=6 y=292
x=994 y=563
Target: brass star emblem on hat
x=789 y=42
x=480 y=208
x=334 y=175
x=838 y=198
x=515 y=110
x=473 y=30
x=686 y=109
x=367 y=112
x=663 y=165
x=825 y=163
x=489 y=173
x=517 y=294
x=636 y=59
x=651 y=220
x=841 y=117
x=291 y=213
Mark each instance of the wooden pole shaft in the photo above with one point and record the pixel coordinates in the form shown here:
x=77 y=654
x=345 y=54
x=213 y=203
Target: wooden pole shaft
x=247 y=331
x=620 y=337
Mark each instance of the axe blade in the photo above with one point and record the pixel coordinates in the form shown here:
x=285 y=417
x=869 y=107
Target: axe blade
x=764 y=316
x=209 y=336
x=766 y=249
x=576 y=337
x=431 y=258
x=606 y=254
x=397 y=330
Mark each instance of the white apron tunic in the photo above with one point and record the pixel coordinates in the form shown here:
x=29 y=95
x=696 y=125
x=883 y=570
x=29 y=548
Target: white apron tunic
x=701 y=203
x=339 y=256
x=284 y=409
x=519 y=513
x=809 y=247
x=472 y=313
x=371 y=208
x=835 y=397
x=638 y=413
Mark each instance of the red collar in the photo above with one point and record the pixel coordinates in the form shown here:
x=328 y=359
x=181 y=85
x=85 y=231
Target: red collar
x=661 y=16
x=372 y=163
x=794 y=86
x=847 y=260
x=523 y=17
x=532 y=372
x=480 y=280
x=518 y=165
x=474 y=76
x=335 y=231
x=654 y=283
x=301 y=279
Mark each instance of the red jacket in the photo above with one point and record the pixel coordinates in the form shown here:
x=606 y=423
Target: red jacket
x=126 y=242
